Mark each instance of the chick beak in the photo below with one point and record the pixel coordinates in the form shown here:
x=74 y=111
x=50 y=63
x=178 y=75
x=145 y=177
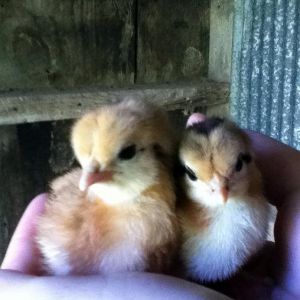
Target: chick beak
x=89 y=177
x=224 y=193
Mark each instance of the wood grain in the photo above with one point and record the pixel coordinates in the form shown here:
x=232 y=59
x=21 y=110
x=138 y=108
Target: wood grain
x=220 y=48
x=173 y=40
x=220 y=43
x=58 y=59
x=54 y=44
x=13 y=185
x=34 y=107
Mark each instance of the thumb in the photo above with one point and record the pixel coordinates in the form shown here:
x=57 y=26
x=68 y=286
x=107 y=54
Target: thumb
x=22 y=254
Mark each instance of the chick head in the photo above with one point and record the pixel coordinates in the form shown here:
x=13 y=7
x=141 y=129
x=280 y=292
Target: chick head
x=216 y=158
x=122 y=144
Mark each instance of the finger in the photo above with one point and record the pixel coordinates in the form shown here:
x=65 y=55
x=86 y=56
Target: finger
x=287 y=237
x=248 y=287
x=260 y=265
x=279 y=165
x=254 y=280
x=22 y=254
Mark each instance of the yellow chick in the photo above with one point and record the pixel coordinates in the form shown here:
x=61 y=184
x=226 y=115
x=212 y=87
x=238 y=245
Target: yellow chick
x=117 y=213
x=224 y=217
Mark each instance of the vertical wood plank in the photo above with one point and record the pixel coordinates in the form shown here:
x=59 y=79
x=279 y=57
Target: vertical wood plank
x=13 y=187
x=220 y=43
x=34 y=143
x=55 y=44
x=61 y=157
x=173 y=38
x=46 y=152
x=173 y=43
x=220 y=47
x=61 y=44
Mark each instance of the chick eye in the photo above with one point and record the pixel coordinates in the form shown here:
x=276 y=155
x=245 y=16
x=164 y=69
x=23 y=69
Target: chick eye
x=127 y=152
x=243 y=157
x=239 y=165
x=190 y=173
x=247 y=158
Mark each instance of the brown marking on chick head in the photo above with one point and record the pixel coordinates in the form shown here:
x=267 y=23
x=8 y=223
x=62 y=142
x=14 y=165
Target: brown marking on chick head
x=216 y=150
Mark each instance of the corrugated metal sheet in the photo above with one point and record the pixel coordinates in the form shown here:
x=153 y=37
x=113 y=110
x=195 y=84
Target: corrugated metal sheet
x=265 y=83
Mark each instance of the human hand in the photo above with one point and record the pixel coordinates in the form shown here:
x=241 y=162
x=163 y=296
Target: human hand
x=280 y=167
x=22 y=264
x=22 y=254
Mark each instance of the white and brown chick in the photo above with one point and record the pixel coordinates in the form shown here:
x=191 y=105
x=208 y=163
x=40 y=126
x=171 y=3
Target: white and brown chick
x=224 y=216
x=117 y=213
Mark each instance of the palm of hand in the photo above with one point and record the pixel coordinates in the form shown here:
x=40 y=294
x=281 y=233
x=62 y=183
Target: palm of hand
x=280 y=166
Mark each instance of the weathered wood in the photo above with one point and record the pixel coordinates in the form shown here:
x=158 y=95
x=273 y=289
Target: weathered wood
x=220 y=48
x=66 y=44
x=33 y=107
x=61 y=157
x=173 y=39
x=54 y=43
x=220 y=42
x=13 y=187
x=34 y=140
x=173 y=43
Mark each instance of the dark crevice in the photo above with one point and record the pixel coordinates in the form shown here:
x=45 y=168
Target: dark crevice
x=34 y=141
x=136 y=21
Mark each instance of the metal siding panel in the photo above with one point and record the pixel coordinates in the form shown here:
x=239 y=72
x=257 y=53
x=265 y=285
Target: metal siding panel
x=256 y=54
x=245 y=66
x=267 y=67
x=289 y=72
x=265 y=86
x=296 y=116
x=277 y=87
x=238 y=25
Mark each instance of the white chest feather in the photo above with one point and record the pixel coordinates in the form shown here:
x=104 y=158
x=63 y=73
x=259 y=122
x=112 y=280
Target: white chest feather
x=137 y=230
x=236 y=231
x=128 y=255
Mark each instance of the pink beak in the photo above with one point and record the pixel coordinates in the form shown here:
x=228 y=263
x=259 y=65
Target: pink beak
x=224 y=193
x=90 y=177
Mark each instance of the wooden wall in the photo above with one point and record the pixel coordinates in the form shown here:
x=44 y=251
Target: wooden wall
x=53 y=45
x=61 y=44
x=173 y=40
